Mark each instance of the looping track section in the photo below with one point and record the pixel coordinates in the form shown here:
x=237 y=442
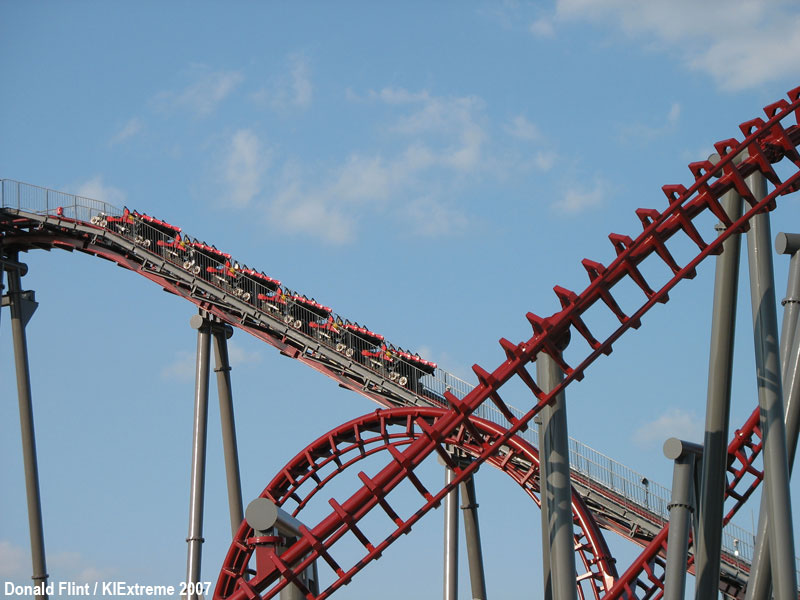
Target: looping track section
x=389 y=431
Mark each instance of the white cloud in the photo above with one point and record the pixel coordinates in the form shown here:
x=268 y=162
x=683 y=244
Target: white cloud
x=428 y=217
x=95 y=189
x=674 y=113
x=13 y=561
x=15 y=565
x=243 y=166
x=520 y=127
x=543 y=28
x=293 y=89
x=642 y=131
x=437 y=135
x=577 y=200
x=130 y=129
x=544 y=160
x=301 y=82
x=182 y=367
x=750 y=43
x=204 y=94
x=239 y=356
x=673 y=423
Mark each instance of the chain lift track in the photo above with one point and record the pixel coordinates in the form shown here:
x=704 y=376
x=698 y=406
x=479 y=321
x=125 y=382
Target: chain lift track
x=391 y=430
x=765 y=142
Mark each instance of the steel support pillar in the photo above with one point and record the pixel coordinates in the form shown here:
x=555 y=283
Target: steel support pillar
x=199 y=437
x=222 y=333
x=790 y=244
x=450 y=539
x=776 y=470
x=547 y=575
x=472 y=533
x=681 y=507
x=554 y=452
x=708 y=542
x=759 y=583
x=22 y=306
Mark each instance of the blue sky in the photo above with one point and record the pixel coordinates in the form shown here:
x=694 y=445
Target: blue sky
x=429 y=171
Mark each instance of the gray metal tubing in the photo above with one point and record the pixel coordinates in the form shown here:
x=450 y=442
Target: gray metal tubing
x=776 y=469
x=555 y=452
x=19 y=319
x=472 y=533
x=789 y=243
x=681 y=508
x=718 y=399
x=547 y=575
x=199 y=438
x=229 y=445
x=758 y=587
x=450 y=539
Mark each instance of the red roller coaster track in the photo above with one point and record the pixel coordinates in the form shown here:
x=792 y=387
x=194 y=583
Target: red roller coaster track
x=765 y=142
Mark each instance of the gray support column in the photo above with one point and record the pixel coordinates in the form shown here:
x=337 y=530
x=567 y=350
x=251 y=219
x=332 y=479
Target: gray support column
x=199 y=436
x=720 y=368
x=681 y=507
x=222 y=333
x=472 y=533
x=758 y=587
x=547 y=575
x=450 y=539
x=555 y=453
x=776 y=470
x=22 y=309
x=790 y=244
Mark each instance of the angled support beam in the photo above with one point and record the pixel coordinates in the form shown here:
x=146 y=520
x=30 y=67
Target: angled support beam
x=557 y=493
x=199 y=439
x=222 y=333
x=22 y=306
x=450 y=591
x=720 y=369
x=770 y=398
x=472 y=533
x=681 y=507
x=759 y=585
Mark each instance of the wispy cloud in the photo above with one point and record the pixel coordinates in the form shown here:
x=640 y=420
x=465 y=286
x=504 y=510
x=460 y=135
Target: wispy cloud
x=204 y=94
x=520 y=127
x=127 y=131
x=66 y=566
x=244 y=163
x=673 y=423
x=13 y=560
x=95 y=189
x=294 y=89
x=543 y=27
x=577 y=200
x=650 y=131
x=181 y=368
x=439 y=137
x=751 y=43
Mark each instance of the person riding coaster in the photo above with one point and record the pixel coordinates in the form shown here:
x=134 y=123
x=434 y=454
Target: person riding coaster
x=302 y=312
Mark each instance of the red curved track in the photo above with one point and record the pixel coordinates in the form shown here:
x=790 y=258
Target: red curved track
x=766 y=142
x=391 y=430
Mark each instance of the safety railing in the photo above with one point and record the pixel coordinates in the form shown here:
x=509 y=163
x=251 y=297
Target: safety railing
x=327 y=328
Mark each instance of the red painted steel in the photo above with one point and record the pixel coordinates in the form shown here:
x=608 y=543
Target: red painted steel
x=391 y=430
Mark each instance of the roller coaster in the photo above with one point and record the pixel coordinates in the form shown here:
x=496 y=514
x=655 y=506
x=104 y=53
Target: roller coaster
x=427 y=411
